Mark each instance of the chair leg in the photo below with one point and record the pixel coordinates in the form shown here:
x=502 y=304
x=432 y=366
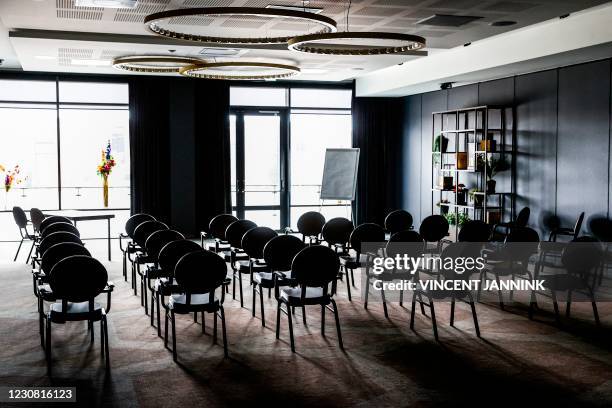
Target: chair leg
x=367 y=292
x=412 y=310
x=532 y=303
x=91 y=327
x=337 y=324
x=473 y=307
x=254 y=298
x=152 y=309
x=304 y=315
x=30 y=253
x=433 y=318
x=499 y=293
x=348 y=285
x=221 y=310
x=322 y=320
x=401 y=297
x=261 y=306
x=48 y=345
x=166 y=328
x=234 y=285
x=172 y=317
x=594 y=304
x=215 y=328
x=291 y=332
x=203 y=322
x=195 y=317
x=18 y=249
x=125 y=266
x=353 y=278
x=452 y=314
x=384 y=302
x=41 y=323
x=144 y=294
x=421 y=304
x=278 y=313
x=106 y=343
x=556 y=306
x=240 y=283
x=102 y=351
x=158 y=306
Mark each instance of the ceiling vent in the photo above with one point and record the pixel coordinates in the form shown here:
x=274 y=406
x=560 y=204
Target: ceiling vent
x=107 y=3
x=446 y=20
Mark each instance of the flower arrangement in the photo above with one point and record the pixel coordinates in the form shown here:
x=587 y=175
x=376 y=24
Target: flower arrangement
x=108 y=162
x=11 y=177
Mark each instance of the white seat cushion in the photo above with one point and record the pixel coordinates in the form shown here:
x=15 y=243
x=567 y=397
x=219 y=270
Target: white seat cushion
x=296 y=293
x=161 y=281
x=200 y=299
x=74 y=308
x=267 y=276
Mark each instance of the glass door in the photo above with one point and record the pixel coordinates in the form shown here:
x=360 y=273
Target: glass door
x=258 y=182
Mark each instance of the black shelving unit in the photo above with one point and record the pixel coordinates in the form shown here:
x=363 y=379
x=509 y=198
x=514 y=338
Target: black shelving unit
x=471 y=143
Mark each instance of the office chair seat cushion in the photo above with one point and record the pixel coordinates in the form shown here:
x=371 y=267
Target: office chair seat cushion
x=178 y=303
x=563 y=282
x=294 y=294
x=74 y=312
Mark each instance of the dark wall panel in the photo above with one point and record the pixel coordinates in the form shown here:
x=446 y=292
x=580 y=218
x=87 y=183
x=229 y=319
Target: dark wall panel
x=411 y=158
x=463 y=96
x=431 y=102
x=498 y=92
x=583 y=140
x=536 y=131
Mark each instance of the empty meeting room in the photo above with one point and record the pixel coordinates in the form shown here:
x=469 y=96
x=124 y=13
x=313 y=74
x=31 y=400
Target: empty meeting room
x=378 y=203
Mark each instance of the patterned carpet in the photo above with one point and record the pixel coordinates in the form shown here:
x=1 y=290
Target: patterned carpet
x=517 y=361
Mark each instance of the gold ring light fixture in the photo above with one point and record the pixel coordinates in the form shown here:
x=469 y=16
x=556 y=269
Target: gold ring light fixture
x=240 y=70
x=153 y=63
x=164 y=23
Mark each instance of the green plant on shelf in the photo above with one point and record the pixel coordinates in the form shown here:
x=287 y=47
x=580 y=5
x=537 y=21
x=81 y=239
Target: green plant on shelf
x=457 y=219
x=439 y=146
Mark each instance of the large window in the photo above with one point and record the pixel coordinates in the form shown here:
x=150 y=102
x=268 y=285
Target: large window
x=279 y=136
x=55 y=132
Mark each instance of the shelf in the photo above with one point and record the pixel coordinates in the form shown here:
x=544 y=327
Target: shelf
x=469 y=131
x=470 y=207
x=484 y=192
x=473 y=109
x=460 y=170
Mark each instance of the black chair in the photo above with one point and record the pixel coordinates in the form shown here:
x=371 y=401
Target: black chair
x=313 y=269
x=572 y=233
x=474 y=231
x=502 y=229
x=56 y=238
x=53 y=219
x=401 y=243
x=141 y=233
x=37 y=217
x=337 y=232
x=59 y=227
x=580 y=259
x=77 y=280
x=454 y=251
x=364 y=233
x=154 y=243
x=42 y=290
x=253 y=243
x=511 y=259
x=130 y=225
x=278 y=255
x=310 y=225
x=216 y=230
x=198 y=276
x=398 y=220
x=22 y=222
x=163 y=286
x=237 y=258
x=434 y=229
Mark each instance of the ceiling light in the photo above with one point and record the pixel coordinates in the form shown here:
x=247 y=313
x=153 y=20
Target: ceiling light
x=161 y=23
x=153 y=63
x=107 y=3
x=240 y=70
x=90 y=62
x=357 y=43
x=314 y=10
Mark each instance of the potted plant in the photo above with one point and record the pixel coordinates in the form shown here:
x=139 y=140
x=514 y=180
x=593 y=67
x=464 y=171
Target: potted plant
x=440 y=145
x=461 y=194
x=457 y=219
x=496 y=165
x=477 y=199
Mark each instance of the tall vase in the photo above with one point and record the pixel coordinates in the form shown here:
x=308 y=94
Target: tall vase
x=105 y=189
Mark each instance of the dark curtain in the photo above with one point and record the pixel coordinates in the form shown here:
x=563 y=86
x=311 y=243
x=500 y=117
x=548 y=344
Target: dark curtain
x=149 y=146
x=377 y=125
x=212 y=149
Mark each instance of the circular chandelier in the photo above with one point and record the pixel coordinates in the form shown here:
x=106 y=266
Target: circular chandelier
x=248 y=17
x=153 y=63
x=240 y=70
x=356 y=43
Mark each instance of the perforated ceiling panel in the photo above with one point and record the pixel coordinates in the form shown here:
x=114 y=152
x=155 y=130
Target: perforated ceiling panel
x=67 y=9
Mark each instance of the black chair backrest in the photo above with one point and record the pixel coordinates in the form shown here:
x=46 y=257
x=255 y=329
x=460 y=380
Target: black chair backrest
x=255 y=239
x=142 y=232
x=200 y=272
x=398 y=220
x=474 y=231
x=601 y=227
x=37 y=217
x=219 y=224
x=236 y=230
x=157 y=240
x=311 y=223
x=582 y=255
x=170 y=254
x=60 y=251
x=315 y=266
x=337 y=231
x=59 y=227
x=78 y=278
x=523 y=242
x=578 y=225
x=51 y=220
x=368 y=232
x=405 y=243
x=522 y=219
x=280 y=251
x=134 y=221
x=20 y=217
x=434 y=228
x=56 y=238
x=458 y=270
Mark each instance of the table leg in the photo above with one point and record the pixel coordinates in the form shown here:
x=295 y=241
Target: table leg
x=109 y=239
